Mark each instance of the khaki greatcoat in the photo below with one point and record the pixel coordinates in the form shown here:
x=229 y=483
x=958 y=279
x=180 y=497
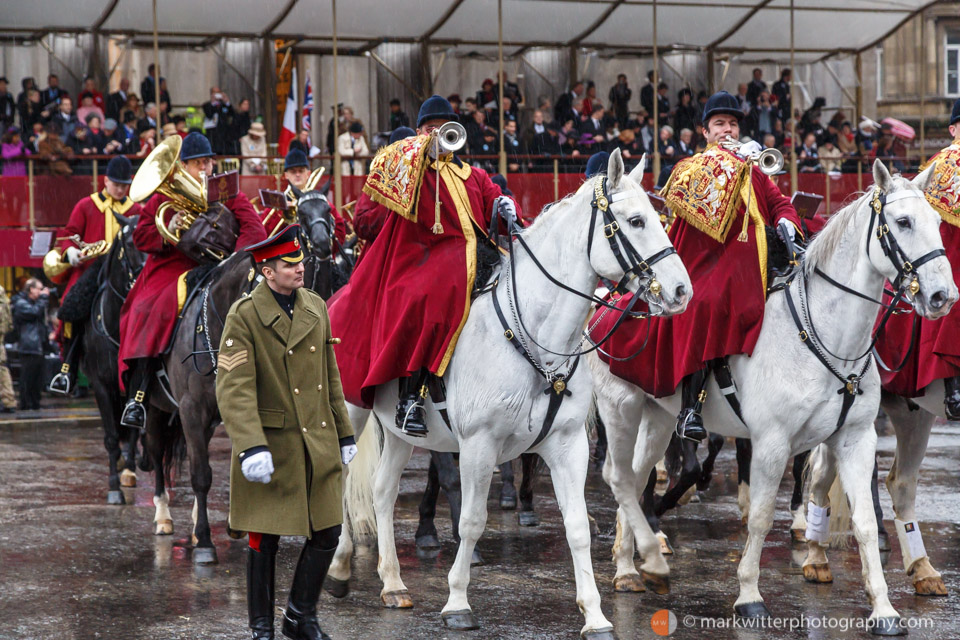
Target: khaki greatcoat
x=278 y=386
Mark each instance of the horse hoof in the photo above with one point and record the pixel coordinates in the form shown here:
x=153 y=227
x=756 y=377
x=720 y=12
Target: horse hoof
x=336 y=588
x=883 y=541
x=476 y=560
x=234 y=534
x=662 y=476
x=798 y=536
x=116 y=497
x=658 y=584
x=599 y=634
x=164 y=528
x=508 y=503
x=665 y=547
x=428 y=542
x=463 y=620
x=193 y=540
x=528 y=518
x=752 y=610
x=817 y=573
x=205 y=555
x=932 y=586
x=128 y=478
x=892 y=626
x=397 y=599
x=630 y=583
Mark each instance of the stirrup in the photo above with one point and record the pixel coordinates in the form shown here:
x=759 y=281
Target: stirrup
x=695 y=432
x=60 y=384
x=129 y=419
x=416 y=432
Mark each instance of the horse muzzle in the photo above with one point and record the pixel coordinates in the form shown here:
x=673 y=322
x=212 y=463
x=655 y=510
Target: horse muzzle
x=937 y=304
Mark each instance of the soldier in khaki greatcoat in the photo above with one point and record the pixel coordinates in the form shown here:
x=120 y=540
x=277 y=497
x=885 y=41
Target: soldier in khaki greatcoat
x=278 y=389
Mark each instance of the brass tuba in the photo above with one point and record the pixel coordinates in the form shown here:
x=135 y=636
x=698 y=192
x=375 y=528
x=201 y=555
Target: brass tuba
x=162 y=172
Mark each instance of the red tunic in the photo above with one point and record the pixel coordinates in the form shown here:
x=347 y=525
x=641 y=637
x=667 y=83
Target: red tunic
x=150 y=311
x=936 y=355
x=408 y=299
x=725 y=314
x=90 y=223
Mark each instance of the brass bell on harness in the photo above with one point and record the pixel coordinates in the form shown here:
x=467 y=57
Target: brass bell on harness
x=914 y=286
x=559 y=386
x=655 y=287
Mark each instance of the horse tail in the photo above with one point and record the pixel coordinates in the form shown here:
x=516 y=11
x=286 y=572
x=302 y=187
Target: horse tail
x=358 y=486
x=593 y=418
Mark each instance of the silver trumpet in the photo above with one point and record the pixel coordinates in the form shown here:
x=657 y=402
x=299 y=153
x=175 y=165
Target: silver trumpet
x=769 y=161
x=451 y=136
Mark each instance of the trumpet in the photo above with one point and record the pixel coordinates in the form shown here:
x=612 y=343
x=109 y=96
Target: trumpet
x=450 y=137
x=769 y=161
x=57 y=268
x=88 y=250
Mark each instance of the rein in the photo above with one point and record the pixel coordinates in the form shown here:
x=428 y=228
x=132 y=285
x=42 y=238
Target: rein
x=106 y=272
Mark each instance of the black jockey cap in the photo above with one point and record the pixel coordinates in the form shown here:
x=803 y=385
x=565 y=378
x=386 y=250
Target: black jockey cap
x=435 y=107
x=295 y=158
x=597 y=163
x=285 y=245
x=120 y=170
x=195 y=145
x=722 y=102
x=955 y=116
x=400 y=133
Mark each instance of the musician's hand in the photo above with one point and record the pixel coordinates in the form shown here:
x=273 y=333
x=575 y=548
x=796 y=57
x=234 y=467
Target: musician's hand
x=785 y=229
x=750 y=148
x=174 y=223
x=73 y=256
x=507 y=209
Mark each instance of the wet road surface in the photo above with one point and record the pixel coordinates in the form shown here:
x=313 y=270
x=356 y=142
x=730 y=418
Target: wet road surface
x=72 y=567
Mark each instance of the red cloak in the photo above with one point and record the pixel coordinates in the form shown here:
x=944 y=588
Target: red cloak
x=409 y=297
x=725 y=314
x=150 y=311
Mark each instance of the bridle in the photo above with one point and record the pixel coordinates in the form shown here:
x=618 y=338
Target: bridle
x=121 y=252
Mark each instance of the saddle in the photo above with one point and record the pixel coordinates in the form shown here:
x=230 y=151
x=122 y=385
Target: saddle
x=195 y=280
x=78 y=303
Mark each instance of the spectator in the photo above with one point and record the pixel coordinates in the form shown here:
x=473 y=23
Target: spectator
x=762 y=116
x=301 y=142
x=218 y=116
x=619 y=97
x=494 y=116
x=810 y=121
x=81 y=144
x=32 y=111
x=90 y=86
x=13 y=149
x=397 y=117
x=64 y=119
x=769 y=141
x=685 y=147
x=254 y=144
x=663 y=103
x=147 y=135
x=148 y=92
x=590 y=99
x=8 y=107
x=168 y=130
x=885 y=150
x=95 y=133
x=781 y=91
x=489 y=146
x=30 y=320
x=352 y=144
x=133 y=106
x=646 y=134
x=593 y=133
x=180 y=124
x=54 y=152
x=512 y=145
x=563 y=110
x=569 y=139
x=87 y=106
x=668 y=150
x=242 y=121
x=540 y=139
x=808 y=157
x=646 y=93
x=7 y=397
x=486 y=98
x=686 y=115
x=510 y=90
x=149 y=118
x=339 y=123
x=111 y=136
x=467 y=110
x=830 y=155
x=128 y=135
x=628 y=144
x=26 y=84
x=53 y=93
x=742 y=98
x=475 y=128
x=117 y=100
x=866 y=137
x=454 y=100
x=756 y=86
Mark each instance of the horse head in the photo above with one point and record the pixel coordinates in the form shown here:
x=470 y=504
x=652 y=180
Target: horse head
x=316 y=221
x=130 y=258
x=910 y=244
x=629 y=241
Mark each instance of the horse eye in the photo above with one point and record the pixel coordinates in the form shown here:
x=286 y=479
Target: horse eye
x=637 y=222
x=903 y=223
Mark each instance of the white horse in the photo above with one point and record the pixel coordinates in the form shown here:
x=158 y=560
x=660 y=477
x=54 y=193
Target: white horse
x=496 y=400
x=912 y=427
x=789 y=399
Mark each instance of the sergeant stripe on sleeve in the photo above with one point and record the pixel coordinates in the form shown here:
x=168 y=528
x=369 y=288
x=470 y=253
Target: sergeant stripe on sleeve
x=232 y=361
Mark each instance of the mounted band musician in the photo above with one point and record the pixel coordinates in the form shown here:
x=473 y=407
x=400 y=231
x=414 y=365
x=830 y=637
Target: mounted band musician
x=408 y=299
x=716 y=197
x=150 y=311
x=89 y=234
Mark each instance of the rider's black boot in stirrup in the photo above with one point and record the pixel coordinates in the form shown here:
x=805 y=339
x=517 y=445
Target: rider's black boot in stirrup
x=951 y=398
x=410 y=417
x=64 y=382
x=689 y=422
x=135 y=411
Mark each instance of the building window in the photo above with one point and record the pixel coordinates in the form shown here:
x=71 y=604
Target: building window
x=952 y=57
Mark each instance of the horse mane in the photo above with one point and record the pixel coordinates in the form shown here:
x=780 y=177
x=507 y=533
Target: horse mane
x=551 y=207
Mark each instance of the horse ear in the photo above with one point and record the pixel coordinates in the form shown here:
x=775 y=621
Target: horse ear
x=882 y=177
x=922 y=181
x=122 y=220
x=326 y=187
x=296 y=192
x=637 y=174
x=614 y=169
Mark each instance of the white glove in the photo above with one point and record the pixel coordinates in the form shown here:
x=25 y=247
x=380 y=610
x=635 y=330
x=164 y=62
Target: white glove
x=507 y=208
x=348 y=453
x=258 y=467
x=750 y=148
x=784 y=226
x=73 y=256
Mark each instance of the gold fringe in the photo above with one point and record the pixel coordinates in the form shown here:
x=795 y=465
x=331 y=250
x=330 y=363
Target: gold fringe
x=677 y=207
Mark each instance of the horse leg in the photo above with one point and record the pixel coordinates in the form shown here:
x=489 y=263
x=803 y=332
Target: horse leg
x=799 y=524
x=883 y=539
x=714 y=445
x=769 y=469
x=823 y=471
x=154 y=445
x=396 y=455
x=568 y=459
x=600 y=452
x=744 y=455
x=197 y=422
x=648 y=501
x=527 y=517
x=128 y=477
x=508 y=491
x=689 y=474
x=426 y=535
x=855 y=450
x=913 y=432
x=111 y=442
x=448 y=475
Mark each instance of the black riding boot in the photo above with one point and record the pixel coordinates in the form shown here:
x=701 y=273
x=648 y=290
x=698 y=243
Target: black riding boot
x=135 y=411
x=951 y=399
x=64 y=382
x=260 y=571
x=410 y=416
x=690 y=422
x=300 y=619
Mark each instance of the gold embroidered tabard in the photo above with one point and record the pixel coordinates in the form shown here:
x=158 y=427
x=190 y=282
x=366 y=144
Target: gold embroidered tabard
x=396 y=174
x=707 y=191
x=943 y=193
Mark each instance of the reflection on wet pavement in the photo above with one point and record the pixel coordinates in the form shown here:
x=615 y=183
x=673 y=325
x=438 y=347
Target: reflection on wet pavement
x=73 y=567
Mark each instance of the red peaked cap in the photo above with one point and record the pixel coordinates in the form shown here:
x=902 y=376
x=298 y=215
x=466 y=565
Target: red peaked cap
x=284 y=245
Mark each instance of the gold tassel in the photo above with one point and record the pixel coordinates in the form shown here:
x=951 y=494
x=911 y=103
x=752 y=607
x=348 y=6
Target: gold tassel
x=437 y=228
x=748 y=186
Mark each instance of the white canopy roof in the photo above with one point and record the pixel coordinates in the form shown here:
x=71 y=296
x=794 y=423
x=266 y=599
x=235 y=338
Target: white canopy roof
x=822 y=27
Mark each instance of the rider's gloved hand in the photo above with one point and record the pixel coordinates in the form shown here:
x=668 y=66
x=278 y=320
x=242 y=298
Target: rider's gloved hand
x=257 y=467
x=785 y=229
x=73 y=256
x=348 y=453
x=507 y=209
